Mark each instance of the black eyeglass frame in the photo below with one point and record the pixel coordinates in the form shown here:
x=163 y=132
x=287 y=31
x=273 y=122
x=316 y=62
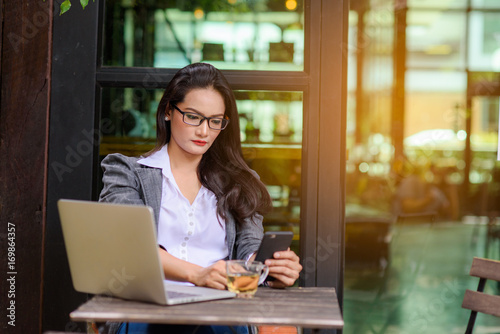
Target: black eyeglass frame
x=224 y=123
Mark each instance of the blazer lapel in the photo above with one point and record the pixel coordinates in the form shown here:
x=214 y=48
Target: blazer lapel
x=230 y=235
x=151 y=179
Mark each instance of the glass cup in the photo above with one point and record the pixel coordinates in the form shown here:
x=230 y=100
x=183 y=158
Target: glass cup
x=244 y=277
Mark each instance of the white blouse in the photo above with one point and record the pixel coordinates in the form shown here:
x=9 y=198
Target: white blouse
x=194 y=233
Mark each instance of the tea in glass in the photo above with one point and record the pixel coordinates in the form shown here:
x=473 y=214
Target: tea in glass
x=244 y=277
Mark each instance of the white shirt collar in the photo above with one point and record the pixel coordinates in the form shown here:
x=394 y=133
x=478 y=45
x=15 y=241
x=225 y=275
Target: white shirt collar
x=159 y=159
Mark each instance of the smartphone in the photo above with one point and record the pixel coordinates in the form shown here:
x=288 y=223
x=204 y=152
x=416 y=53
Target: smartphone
x=273 y=242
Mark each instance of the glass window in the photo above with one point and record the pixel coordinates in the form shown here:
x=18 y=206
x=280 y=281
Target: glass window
x=351 y=50
x=234 y=34
x=377 y=46
x=435 y=39
x=266 y=117
x=368 y=124
x=271 y=134
x=436 y=81
x=484 y=174
x=449 y=4
x=435 y=115
x=404 y=207
x=485 y=4
x=485 y=123
x=484 y=41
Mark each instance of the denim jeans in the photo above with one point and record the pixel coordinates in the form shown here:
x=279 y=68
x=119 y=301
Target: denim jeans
x=141 y=328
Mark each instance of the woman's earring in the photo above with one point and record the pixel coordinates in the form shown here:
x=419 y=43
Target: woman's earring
x=166 y=118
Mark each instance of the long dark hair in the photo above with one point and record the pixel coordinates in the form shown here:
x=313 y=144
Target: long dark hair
x=222 y=168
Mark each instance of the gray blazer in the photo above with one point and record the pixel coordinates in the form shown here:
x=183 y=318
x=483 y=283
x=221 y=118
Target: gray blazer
x=128 y=182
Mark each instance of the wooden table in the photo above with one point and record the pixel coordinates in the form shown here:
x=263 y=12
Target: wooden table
x=302 y=307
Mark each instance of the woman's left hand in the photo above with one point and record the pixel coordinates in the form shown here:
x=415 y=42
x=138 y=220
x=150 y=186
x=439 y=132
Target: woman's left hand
x=285 y=267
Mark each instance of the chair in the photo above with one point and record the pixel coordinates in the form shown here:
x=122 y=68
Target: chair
x=478 y=301
x=281 y=52
x=213 y=51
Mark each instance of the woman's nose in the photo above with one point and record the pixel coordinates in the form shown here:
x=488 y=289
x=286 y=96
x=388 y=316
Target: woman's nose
x=203 y=128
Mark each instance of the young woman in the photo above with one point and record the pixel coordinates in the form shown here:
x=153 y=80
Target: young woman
x=207 y=203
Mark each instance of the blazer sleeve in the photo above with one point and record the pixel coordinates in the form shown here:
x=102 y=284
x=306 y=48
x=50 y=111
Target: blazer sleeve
x=248 y=237
x=120 y=181
x=248 y=234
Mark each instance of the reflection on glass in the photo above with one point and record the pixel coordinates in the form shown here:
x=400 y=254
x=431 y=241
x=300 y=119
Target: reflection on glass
x=484 y=45
x=250 y=35
x=271 y=134
x=436 y=39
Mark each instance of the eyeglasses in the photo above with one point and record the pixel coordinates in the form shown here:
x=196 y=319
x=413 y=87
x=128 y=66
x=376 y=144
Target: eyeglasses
x=191 y=118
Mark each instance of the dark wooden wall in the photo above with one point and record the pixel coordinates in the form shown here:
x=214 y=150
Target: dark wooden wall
x=73 y=146
x=25 y=79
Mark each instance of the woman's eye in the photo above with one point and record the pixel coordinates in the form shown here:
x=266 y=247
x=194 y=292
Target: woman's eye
x=193 y=116
x=216 y=121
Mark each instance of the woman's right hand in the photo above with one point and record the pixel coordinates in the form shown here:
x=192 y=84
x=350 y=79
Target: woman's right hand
x=179 y=270
x=213 y=276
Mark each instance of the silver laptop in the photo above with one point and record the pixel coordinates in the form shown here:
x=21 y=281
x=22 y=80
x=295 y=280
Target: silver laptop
x=112 y=250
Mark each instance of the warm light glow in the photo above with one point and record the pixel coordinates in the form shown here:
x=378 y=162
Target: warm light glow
x=291 y=4
x=439 y=50
x=198 y=13
x=364 y=167
x=231 y=2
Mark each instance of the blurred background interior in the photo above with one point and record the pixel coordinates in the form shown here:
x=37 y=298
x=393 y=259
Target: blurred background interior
x=422 y=178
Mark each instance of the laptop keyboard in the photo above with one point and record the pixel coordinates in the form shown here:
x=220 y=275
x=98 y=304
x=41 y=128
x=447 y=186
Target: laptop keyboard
x=176 y=294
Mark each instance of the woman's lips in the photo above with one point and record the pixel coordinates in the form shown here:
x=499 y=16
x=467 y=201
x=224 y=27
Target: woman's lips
x=200 y=142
